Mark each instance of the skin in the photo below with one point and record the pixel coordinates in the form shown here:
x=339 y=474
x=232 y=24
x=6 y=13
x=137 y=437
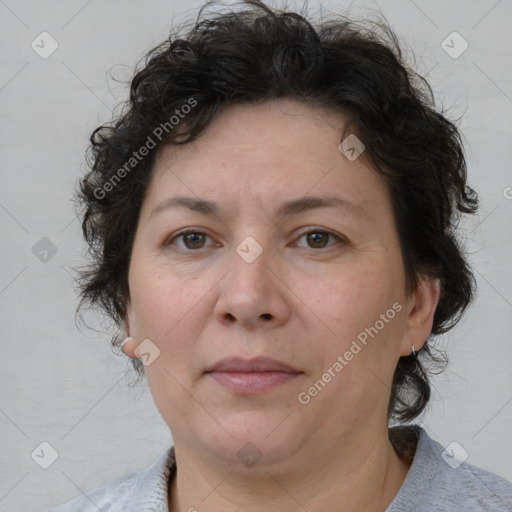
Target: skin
x=301 y=301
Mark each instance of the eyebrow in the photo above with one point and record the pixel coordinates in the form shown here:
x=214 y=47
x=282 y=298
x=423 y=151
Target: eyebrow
x=287 y=208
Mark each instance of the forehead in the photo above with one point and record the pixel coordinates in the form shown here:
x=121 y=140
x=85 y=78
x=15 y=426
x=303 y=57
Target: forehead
x=276 y=129
x=273 y=151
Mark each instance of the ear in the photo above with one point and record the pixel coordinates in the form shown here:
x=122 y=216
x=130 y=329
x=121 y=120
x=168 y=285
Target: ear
x=129 y=345
x=421 y=307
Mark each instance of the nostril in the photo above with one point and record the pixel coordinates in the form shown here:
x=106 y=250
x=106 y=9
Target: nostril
x=267 y=316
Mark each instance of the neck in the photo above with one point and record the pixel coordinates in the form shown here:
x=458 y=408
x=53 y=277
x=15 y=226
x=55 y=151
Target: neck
x=365 y=477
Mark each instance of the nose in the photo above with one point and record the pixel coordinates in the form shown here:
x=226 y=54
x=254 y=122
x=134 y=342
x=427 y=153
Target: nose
x=253 y=294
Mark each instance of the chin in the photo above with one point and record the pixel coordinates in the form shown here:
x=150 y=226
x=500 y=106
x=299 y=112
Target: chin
x=255 y=438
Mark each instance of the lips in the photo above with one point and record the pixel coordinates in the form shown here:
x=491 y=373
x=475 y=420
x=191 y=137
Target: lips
x=251 y=376
x=258 y=364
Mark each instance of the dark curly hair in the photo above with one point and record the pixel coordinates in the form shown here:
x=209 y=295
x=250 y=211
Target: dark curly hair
x=257 y=53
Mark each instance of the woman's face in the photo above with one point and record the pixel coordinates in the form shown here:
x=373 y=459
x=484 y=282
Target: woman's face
x=250 y=282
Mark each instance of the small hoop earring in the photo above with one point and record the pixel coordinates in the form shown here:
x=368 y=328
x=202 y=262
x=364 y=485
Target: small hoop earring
x=414 y=351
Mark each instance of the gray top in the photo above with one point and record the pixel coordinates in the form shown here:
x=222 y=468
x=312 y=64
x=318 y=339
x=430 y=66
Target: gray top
x=436 y=482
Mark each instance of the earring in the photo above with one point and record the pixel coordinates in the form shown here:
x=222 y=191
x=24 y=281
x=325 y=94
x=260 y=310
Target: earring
x=414 y=351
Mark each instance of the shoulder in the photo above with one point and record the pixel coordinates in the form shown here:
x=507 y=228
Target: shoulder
x=107 y=498
x=474 y=488
x=439 y=480
x=142 y=490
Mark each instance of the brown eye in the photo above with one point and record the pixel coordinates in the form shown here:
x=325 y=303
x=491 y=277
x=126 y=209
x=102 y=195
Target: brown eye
x=192 y=240
x=317 y=239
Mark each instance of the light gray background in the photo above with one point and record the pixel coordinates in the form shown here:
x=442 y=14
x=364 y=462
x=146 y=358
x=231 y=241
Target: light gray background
x=65 y=386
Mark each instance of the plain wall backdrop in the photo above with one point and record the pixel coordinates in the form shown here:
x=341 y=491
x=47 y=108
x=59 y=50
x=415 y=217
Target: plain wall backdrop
x=64 y=386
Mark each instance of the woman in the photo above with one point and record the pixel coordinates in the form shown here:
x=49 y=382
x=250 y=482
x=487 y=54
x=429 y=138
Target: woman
x=272 y=222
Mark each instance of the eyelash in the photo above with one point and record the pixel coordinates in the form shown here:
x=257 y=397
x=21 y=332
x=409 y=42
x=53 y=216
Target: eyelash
x=182 y=234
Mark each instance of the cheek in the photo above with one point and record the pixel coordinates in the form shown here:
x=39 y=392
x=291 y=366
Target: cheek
x=164 y=310
x=158 y=298
x=347 y=299
x=158 y=304
x=361 y=306
x=355 y=346
x=171 y=311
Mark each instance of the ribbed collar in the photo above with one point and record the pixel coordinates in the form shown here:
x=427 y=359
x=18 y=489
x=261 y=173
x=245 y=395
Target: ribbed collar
x=151 y=487
x=420 y=475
